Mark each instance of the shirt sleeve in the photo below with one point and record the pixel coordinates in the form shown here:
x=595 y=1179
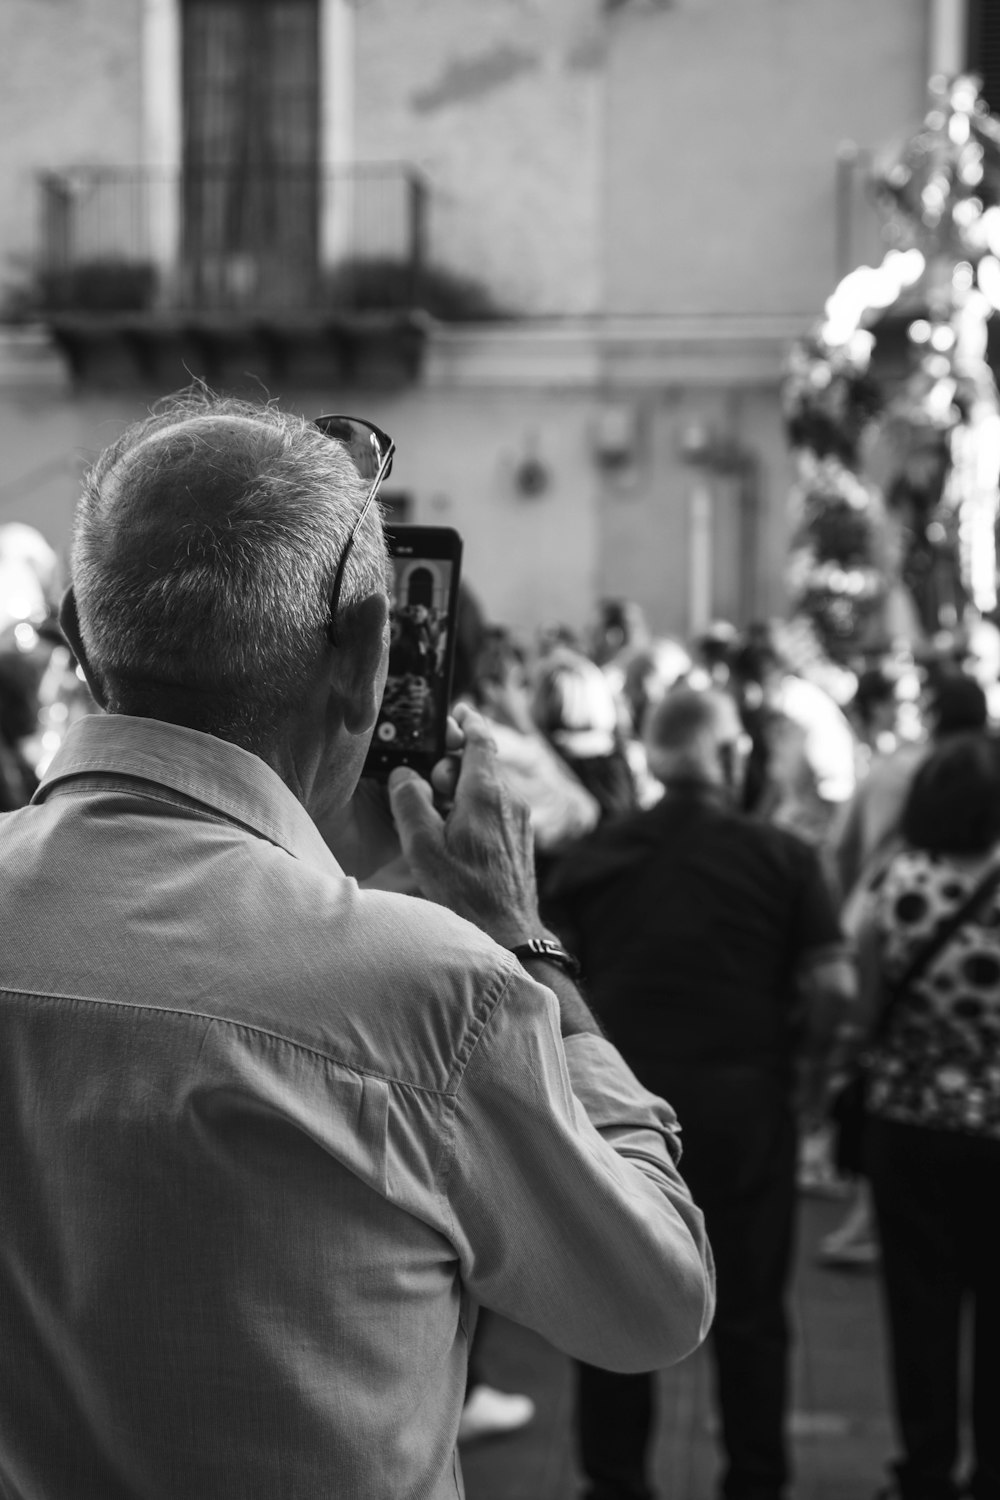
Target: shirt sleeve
x=568 y=1210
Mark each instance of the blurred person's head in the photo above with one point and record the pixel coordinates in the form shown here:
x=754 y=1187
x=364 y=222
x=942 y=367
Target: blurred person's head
x=206 y=545
x=875 y=705
x=696 y=735
x=715 y=649
x=757 y=669
x=954 y=703
x=649 y=676
x=500 y=686
x=573 y=701
x=621 y=626
x=954 y=802
x=555 y=635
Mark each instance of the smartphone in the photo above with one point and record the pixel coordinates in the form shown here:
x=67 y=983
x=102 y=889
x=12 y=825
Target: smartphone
x=425 y=566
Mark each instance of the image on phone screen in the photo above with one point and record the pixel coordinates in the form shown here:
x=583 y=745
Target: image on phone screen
x=423 y=590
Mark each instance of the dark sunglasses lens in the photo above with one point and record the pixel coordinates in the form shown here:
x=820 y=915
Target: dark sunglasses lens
x=364 y=443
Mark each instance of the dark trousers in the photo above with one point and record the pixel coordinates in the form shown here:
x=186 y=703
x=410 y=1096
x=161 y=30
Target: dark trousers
x=937 y=1203
x=739 y=1162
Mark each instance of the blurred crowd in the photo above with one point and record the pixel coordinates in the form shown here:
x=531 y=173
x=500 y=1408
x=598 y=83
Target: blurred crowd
x=676 y=788
x=41 y=691
x=570 y=709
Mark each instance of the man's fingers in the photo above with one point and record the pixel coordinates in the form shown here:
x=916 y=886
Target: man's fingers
x=470 y=721
x=412 y=803
x=480 y=750
x=454 y=736
x=444 y=777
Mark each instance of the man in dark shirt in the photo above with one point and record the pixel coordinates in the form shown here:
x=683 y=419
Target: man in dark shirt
x=712 y=953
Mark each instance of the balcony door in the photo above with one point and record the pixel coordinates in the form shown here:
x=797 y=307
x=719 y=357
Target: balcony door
x=250 y=153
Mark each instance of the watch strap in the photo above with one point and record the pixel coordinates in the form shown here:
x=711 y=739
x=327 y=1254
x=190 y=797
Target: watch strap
x=549 y=952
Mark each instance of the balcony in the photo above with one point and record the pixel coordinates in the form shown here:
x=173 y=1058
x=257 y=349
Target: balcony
x=302 y=273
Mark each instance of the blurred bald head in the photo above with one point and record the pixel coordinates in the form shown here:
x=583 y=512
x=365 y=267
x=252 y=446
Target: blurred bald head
x=687 y=732
x=205 y=547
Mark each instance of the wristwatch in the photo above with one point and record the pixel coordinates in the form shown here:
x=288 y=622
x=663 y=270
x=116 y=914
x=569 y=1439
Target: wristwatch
x=550 y=952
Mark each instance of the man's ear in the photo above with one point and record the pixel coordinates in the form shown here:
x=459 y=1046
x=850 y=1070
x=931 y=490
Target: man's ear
x=69 y=624
x=360 y=662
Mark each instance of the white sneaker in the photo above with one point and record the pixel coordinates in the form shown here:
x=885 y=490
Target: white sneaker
x=487 y=1413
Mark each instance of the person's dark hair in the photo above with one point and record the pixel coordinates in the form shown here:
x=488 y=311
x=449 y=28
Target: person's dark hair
x=957 y=704
x=954 y=801
x=875 y=687
x=756 y=659
x=719 y=644
x=494 y=659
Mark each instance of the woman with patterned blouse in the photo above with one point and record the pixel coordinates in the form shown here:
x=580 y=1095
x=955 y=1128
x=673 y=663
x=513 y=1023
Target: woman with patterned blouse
x=933 y=1140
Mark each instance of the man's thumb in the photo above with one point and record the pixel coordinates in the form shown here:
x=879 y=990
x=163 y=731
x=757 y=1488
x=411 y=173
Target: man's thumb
x=412 y=801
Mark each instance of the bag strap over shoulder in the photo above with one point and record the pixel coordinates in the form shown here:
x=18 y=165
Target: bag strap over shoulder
x=937 y=942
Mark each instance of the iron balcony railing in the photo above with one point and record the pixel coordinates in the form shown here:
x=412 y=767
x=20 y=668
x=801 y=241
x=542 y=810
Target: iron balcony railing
x=228 y=239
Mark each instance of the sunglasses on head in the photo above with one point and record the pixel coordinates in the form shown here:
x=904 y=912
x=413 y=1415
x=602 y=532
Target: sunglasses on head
x=370 y=450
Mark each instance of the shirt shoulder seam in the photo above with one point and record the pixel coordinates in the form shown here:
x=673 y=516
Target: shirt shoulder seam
x=263 y=1031
x=448 y=1147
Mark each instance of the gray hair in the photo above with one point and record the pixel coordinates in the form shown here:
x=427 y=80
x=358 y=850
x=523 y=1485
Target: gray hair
x=205 y=547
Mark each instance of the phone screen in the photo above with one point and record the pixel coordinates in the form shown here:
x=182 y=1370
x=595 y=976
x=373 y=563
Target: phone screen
x=423 y=599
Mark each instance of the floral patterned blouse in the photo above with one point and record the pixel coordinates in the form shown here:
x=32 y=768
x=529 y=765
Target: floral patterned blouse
x=939 y=1062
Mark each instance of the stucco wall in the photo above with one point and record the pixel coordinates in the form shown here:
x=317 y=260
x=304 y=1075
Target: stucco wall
x=501 y=104
x=528 y=559
x=723 y=122
x=648 y=551
x=69 y=92
x=461 y=438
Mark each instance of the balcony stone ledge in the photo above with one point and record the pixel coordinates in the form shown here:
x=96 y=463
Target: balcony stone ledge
x=166 y=351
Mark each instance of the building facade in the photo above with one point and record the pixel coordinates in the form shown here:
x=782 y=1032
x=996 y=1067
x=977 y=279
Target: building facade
x=629 y=207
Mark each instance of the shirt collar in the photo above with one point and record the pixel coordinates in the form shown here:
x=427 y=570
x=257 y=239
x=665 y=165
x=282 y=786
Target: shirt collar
x=225 y=778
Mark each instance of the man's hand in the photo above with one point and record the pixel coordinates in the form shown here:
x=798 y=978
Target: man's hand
x=479 y=858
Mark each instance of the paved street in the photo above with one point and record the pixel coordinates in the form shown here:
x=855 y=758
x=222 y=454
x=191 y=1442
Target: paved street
x=840 y=1423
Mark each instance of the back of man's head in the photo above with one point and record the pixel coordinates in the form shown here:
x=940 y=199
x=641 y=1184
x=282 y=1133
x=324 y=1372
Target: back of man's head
x=685 y=731
x=205 y=547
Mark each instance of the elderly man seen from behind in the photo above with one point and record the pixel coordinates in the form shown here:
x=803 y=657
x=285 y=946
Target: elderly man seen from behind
x=269 y=1138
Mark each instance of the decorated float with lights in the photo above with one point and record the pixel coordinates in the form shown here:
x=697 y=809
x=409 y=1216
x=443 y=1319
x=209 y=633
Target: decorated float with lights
x=891 y=405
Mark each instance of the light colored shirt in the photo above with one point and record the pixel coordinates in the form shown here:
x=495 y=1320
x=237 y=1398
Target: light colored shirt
x=268 y=1140
x=828 y=744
